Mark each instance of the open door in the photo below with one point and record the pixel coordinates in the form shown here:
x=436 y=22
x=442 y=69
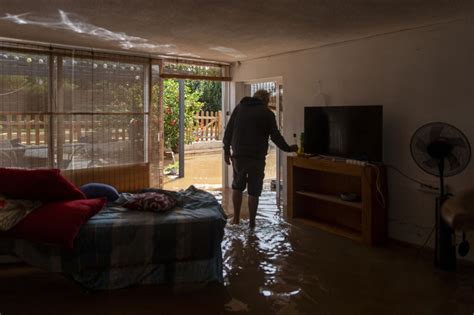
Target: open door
x=273 y=167
x=279 y=155
x=193 y=134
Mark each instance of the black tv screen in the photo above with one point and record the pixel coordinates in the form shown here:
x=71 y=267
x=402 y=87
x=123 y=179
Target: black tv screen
x=353 y=132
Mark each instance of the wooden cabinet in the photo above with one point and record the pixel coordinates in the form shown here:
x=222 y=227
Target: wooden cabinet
x=314 y=188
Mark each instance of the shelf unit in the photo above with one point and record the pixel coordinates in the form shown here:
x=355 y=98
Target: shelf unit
x=314 y=187
x=331 y=198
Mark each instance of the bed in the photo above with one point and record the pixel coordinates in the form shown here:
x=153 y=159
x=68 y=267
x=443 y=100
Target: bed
x=118 y=247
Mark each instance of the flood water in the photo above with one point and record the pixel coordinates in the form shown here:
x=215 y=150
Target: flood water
x=284 y=268
x=277 y=268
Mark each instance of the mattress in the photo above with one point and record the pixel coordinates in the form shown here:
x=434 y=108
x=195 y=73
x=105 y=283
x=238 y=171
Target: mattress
x=118 y=247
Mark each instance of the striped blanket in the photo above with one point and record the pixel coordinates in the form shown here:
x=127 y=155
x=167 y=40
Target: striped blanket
x=118 y=247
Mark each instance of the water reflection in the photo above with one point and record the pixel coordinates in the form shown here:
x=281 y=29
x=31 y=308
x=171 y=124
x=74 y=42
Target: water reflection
x=284 y=268
x=258 y=262
x=73 y=23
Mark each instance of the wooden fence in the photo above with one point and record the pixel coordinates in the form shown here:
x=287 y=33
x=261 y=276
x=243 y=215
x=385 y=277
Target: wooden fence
x=27 y=129
x=206 y=127
x=33 y=129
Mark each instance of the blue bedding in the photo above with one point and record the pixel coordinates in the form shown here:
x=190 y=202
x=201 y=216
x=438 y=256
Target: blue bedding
x=118 y=247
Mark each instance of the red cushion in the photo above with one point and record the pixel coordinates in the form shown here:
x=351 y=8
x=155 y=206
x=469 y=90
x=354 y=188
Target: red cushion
x=41 y=184
x=57 y=223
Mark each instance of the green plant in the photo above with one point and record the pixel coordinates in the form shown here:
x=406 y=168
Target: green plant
x=171 y=112
x=172 y=168
x=211 y=93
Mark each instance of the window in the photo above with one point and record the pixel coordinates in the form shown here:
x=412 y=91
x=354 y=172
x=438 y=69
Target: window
x=100 y=113
x=95 y=113
x=179 y=69
x=97 y=116
x=25 y=133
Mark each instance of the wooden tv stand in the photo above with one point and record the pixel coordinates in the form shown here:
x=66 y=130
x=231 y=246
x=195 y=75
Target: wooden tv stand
x=314 y=188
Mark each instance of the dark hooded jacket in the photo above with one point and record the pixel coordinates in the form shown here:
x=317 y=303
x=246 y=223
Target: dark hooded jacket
x=248 y=130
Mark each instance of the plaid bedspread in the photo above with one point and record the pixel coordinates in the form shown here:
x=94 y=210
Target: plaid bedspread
x=119 y=247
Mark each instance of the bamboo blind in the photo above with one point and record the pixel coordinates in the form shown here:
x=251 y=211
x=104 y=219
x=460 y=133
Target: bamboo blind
x=96 y=115
x=85 y=113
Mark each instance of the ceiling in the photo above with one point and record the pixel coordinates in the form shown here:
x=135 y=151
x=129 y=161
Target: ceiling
x=222 y=30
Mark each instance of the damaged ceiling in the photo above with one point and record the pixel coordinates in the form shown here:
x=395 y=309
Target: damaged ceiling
x=222 y=30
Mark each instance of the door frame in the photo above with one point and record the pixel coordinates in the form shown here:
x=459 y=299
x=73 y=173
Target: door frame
x=235 y=92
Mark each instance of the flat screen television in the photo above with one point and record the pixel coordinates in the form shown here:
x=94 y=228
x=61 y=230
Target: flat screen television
x=352 y=132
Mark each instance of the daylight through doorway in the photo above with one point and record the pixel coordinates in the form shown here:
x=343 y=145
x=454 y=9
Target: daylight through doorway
x=201 y=136
x=273 y=167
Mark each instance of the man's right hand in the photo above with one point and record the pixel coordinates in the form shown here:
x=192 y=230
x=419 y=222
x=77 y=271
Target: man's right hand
x=294 y=148
x=227 y=159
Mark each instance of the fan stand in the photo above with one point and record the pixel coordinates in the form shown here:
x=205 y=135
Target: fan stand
x=442 y=143
x=445 y=249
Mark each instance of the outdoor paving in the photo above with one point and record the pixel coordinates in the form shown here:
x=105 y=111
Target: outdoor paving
x=204 y=170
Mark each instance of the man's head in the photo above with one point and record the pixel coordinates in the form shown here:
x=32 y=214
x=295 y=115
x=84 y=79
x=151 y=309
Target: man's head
x=262 y=95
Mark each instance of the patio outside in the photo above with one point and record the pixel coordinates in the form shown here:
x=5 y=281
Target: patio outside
x=203 y=135
x=203 y=168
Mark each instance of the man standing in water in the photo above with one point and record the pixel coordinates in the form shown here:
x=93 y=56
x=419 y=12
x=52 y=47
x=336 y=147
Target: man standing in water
x=247 y=132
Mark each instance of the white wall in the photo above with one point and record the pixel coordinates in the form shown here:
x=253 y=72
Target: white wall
x=419 y=76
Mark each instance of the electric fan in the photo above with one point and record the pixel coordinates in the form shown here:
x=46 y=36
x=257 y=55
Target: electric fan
x=441 y=150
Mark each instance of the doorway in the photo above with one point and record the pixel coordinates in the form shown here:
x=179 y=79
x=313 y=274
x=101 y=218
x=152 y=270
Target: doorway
x=273 y=167
x=193 y=134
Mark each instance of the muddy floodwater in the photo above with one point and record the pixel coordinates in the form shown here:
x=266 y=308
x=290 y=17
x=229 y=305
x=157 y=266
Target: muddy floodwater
x=277 y=268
